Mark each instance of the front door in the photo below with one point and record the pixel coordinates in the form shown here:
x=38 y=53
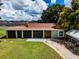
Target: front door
x=47 y=34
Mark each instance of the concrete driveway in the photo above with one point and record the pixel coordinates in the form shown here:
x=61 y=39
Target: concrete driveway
x=62 y=50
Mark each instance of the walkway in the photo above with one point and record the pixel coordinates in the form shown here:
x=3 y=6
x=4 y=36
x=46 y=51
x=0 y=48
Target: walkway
x=62 y=50
x=37 y=40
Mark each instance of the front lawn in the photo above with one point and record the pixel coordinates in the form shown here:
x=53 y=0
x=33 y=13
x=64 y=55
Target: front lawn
x=2 y=32
x=21 y=49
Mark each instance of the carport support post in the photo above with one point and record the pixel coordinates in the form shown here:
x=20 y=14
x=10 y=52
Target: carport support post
x=22 y=34
x=43 y=34
x=32 y=33
x=6 y=34
x=16 y=34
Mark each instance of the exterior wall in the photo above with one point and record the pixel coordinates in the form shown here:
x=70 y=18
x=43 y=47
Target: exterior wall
x=54 y=34
x=57 y=34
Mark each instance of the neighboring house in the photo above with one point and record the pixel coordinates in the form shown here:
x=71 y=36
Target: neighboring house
x=34 y=30
x=73 y=36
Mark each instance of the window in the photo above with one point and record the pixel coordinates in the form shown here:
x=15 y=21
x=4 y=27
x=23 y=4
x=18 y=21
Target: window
x=61 y=33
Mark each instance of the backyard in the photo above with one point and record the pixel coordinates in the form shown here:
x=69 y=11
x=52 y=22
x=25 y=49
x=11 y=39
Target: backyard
x=20 y=49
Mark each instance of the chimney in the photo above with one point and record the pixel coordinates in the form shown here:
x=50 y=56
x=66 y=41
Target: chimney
x=27 y=24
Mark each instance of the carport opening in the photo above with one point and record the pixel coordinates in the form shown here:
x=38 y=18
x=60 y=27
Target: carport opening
x=37 y=34
x=27 y=34
x=19 y=34
x=11 y=34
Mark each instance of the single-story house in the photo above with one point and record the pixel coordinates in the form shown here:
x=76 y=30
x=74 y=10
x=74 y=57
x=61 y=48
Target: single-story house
x=34 y=30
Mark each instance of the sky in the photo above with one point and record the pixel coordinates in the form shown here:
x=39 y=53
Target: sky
x=27 y=10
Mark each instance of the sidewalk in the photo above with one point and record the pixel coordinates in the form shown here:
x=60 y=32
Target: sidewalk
x=62 y=50
x=37 y=40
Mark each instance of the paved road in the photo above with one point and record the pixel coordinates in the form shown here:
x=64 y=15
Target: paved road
x=62 y=50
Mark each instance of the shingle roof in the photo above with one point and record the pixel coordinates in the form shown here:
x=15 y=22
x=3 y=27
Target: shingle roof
x=34 y=26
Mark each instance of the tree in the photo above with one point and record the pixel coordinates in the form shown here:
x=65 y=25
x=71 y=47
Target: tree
x=63 y=21
x=57 y=14
x=51 y=14
x=75 y=4
x=64 y=17
x=74 y=19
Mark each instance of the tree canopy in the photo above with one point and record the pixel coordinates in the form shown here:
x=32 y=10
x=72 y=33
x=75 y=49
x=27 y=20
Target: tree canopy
x=51 y=14
x=75 y=4
x=64 y=17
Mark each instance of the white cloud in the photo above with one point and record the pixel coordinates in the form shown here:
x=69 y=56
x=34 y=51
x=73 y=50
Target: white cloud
x=29 y=10
x=32 y=7
x=41 y=4
x=7 y=5
x=53 y=1
x=68 y=3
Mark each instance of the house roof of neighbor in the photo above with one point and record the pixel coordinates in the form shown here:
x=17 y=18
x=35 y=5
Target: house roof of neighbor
x=74 y=34
x=33 y=26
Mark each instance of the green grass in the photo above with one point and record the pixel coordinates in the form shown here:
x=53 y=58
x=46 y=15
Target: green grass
x=2 y=32
x=21 y=49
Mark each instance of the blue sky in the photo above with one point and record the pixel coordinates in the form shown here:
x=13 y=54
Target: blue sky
x=27 y=9
x=61 y=2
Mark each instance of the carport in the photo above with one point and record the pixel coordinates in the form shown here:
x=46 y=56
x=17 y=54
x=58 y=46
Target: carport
x=28 y=34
